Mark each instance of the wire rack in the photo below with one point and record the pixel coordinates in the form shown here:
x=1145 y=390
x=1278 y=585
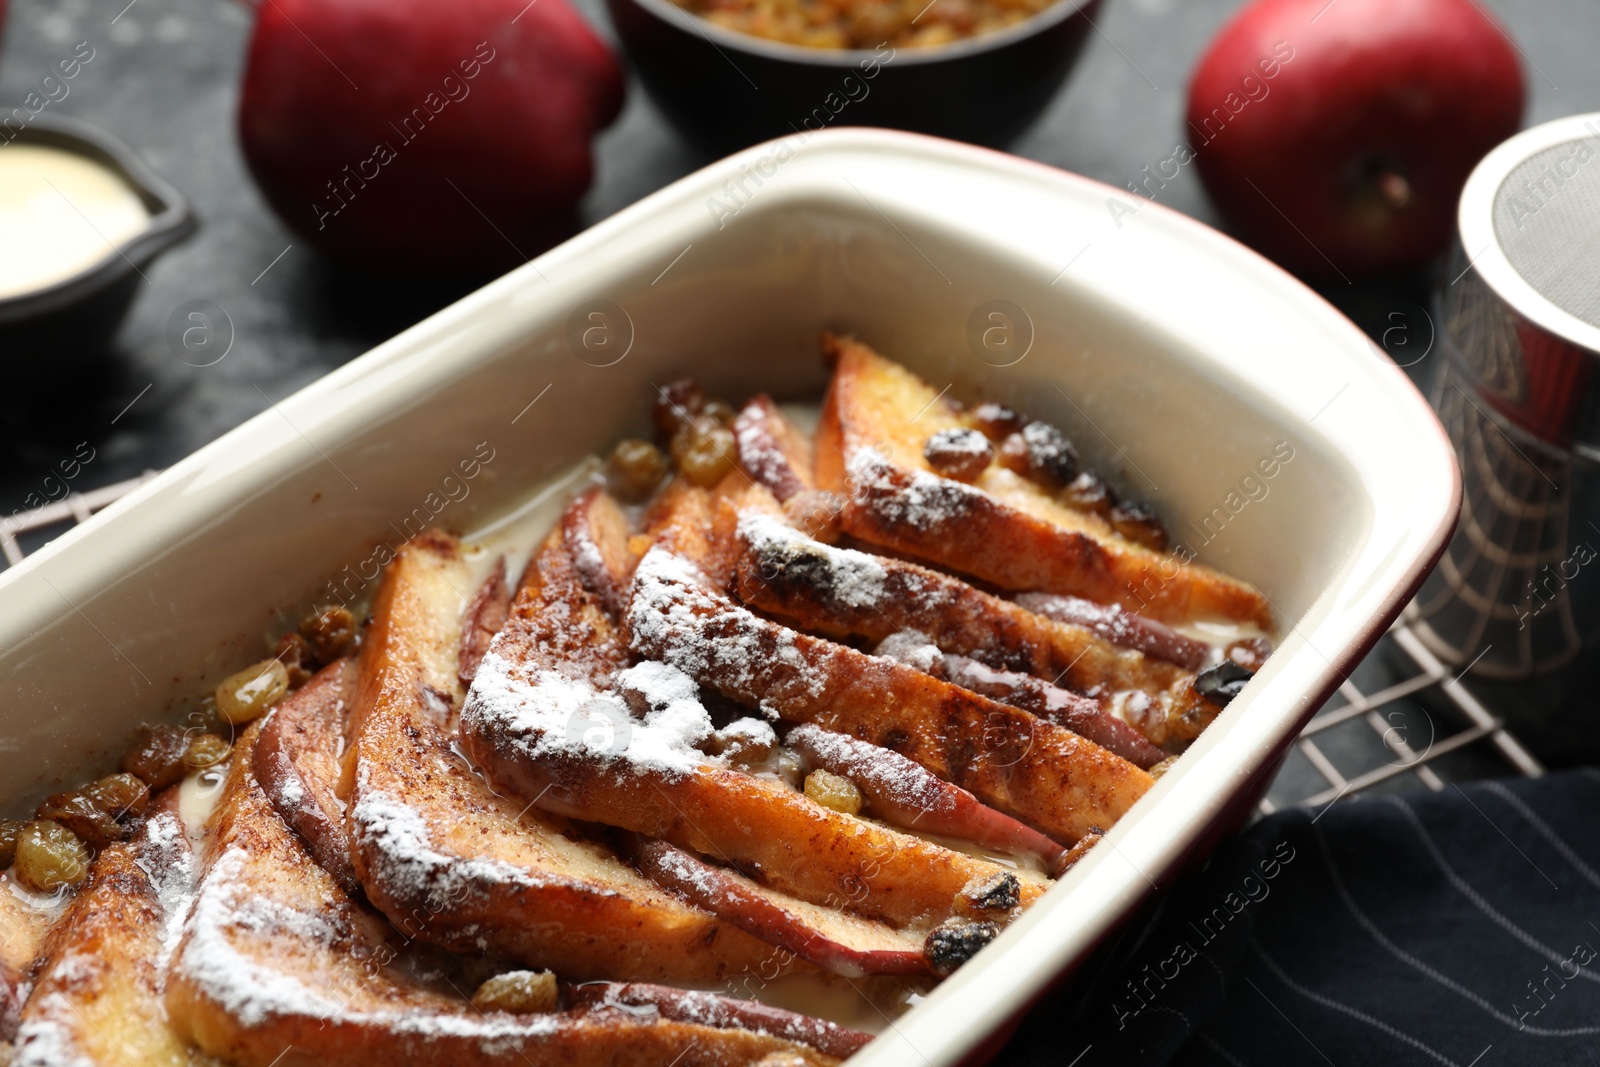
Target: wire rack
x=1402 y=719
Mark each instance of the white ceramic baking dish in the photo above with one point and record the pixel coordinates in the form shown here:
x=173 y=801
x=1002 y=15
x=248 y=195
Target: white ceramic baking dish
x=1177 y=358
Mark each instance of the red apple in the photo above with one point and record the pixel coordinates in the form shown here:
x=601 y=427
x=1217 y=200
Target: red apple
x=424 y=137
x=1335 y=136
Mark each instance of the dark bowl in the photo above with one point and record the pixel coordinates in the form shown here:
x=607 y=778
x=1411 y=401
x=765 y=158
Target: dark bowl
x=75 y=319
x=726 y=90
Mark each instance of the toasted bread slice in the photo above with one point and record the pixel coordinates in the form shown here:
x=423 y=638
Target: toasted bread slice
x=278 y=966
x=451 y=862
x=97 y=999
x=842 y=591
x=907 y=794
x=772 y=451
x=596 y=534
x=844 y=943
x=297 y=764
x=1114 y=623
x=875 y=422
x=1038 y=697
x=693 y=1006
x=1041 y=773
x=645 y=776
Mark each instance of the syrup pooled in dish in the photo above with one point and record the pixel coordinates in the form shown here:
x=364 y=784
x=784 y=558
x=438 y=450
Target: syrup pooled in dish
x=725 y=758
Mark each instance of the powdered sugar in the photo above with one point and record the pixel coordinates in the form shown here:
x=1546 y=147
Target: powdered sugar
x=230 y=912
x=403 y=853
x=674 y=617
x=903 y=497
x=838 y=574
x=549 y=716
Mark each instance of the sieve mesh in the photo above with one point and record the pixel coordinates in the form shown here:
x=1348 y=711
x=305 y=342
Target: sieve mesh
x=1547 y=220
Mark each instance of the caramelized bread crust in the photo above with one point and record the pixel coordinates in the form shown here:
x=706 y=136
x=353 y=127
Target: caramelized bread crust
x=1039 y=772
x=875 y=420
x=278 y=966
x=98 y=995
x=451 y=862
x=297 y=763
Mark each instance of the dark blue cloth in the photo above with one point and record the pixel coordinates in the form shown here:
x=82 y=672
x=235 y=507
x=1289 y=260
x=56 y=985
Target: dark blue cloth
x=1451 y=928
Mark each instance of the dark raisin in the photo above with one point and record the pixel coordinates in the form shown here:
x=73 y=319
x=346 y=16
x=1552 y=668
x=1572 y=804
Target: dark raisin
x=955 y=941
x=297 y=657
x=1041 y=453
x=95 y=812
x=1139 y=524
x=157 y=755
x=996 y=420
x=1220 y=684
x=959 y=454
x=1088 y=492
x=675 y=405
x=331 y=632
x=999 y=892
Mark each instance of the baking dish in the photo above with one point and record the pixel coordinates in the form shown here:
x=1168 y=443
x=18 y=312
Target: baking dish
x=1177 y=359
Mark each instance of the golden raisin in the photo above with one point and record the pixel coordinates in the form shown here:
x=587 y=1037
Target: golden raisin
x=833 y=791
x=9 y=830
x=704 y=450
x=247 y=695
x=50 y=856
x=636 y=468
x=520 y=992
x=157 y=755
x=205 y=750
x=330 y=632
x=720 y=410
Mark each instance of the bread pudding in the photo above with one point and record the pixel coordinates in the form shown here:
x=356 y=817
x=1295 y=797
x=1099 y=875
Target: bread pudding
x=776 y=729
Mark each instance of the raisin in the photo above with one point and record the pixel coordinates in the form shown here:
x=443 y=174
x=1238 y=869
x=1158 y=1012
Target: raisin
x=1139 y=524
x=1222 y=683
x=959 y=454
x=157 y=755
x=704 y=450
x=1041 y=453
x=720 y=410
x=519 y=992
x=1000 y=891
x=299 y=662
x=205 y=750
x=996 y=421
x=331 y=632
x=635 y=469
x=955 y=941
x=833 y=792
x=50 y=856
x=1088 y=492
x=675 y=405
x=246 y=696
